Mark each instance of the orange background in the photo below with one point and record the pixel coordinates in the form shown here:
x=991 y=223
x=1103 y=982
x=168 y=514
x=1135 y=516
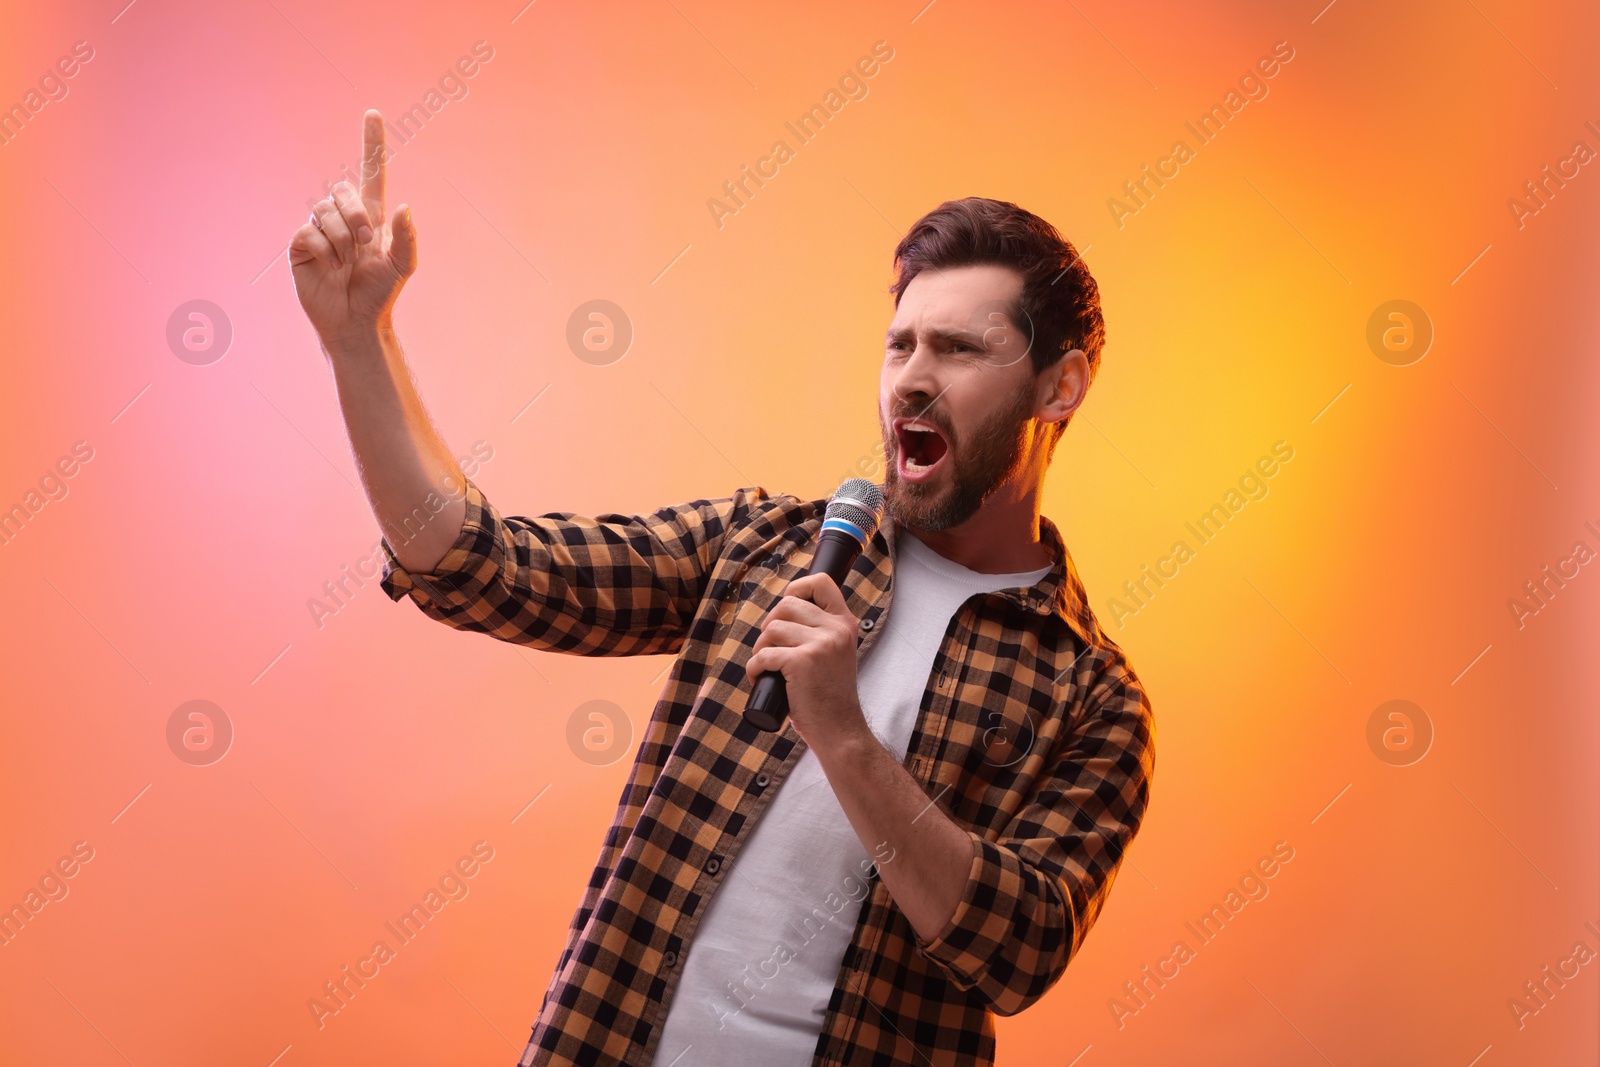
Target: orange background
x=372 y=752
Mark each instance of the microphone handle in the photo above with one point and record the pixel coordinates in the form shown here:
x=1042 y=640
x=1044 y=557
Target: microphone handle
x=768 y=706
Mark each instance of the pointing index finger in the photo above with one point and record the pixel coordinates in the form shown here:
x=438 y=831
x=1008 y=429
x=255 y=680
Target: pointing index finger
x=372 y=169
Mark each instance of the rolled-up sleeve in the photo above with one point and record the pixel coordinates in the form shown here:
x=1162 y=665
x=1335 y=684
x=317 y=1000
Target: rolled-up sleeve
x=609 y=584
x=1033 y=892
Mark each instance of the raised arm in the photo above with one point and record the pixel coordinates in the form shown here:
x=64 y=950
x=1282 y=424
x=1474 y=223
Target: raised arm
x=349 y=264
x=606 y=585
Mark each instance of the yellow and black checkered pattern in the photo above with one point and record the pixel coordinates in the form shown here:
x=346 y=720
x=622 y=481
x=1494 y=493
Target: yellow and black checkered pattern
x=1034 y=735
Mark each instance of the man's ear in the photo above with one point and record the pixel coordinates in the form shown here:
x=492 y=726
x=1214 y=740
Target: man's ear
x=1063 y=387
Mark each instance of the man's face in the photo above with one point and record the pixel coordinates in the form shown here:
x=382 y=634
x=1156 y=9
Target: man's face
x=956 y=395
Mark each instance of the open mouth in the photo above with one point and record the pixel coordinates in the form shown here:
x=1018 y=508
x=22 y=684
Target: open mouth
x=922 y=448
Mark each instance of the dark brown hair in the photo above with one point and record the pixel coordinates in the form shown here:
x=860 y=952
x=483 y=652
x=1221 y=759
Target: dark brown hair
x=1059 y=308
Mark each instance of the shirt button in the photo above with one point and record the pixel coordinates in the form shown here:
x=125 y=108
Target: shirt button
x=713 y=865
x=762 y=779
x=867 y=624
x=669 y=960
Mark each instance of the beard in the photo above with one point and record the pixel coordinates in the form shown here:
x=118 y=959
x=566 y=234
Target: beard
x=976 y=469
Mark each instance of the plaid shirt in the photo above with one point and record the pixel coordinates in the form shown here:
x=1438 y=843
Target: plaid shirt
x=1034 y=735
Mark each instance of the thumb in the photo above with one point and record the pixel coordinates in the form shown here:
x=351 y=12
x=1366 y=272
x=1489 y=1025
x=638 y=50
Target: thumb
x=828 y=597
x=403 y=246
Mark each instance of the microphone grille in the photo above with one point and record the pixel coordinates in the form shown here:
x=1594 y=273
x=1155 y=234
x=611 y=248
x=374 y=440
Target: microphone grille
x=857 y=501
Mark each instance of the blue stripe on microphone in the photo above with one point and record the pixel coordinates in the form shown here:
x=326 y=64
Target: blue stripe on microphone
x=845 y=526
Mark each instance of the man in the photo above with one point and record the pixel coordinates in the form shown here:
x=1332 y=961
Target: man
x=930 y=843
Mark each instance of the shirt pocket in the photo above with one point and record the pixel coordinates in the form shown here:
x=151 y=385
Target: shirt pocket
x=999 y=729
x=743 y=601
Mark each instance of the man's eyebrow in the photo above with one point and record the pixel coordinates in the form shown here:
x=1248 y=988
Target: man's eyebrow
x=905 y=333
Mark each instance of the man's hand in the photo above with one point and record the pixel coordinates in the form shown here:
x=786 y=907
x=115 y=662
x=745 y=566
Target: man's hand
x=350 y=263
x=810 y=638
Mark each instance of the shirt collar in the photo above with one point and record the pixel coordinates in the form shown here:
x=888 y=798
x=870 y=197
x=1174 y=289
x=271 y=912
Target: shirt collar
x=1060 y=592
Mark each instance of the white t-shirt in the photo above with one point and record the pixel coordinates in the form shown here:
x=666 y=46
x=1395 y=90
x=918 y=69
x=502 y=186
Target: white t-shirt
x=762 y=964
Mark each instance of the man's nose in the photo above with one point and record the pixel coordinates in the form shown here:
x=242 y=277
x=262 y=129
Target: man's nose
x=917 y=379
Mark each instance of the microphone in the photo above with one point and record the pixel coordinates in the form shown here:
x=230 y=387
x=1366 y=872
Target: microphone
x=848 y=524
